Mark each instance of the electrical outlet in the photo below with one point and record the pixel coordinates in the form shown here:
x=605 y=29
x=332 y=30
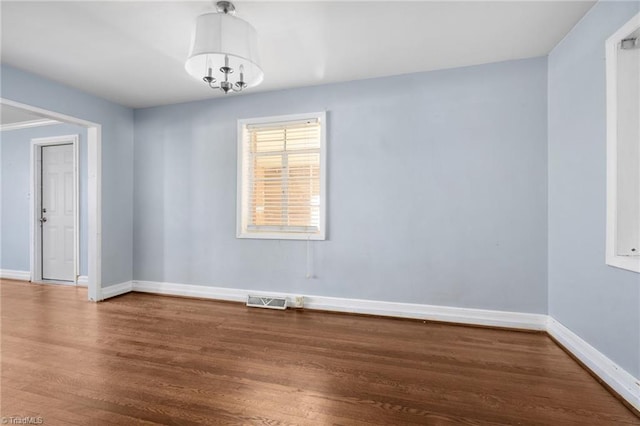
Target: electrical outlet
x=298 y=302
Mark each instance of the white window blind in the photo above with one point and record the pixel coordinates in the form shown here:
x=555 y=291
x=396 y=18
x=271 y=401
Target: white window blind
x=282 y=178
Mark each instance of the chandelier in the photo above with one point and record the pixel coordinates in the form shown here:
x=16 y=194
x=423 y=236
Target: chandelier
x=224 y=51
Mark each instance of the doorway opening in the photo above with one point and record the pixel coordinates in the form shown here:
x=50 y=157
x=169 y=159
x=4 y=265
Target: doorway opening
x=93 y=205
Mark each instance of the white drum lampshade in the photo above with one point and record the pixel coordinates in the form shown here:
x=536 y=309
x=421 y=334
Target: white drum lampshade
x=224 y=51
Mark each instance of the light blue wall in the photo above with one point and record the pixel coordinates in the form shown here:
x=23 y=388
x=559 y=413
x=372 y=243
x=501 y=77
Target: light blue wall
x=599 y=303
x=117 y=158
x=437 y=191
x=15 y=146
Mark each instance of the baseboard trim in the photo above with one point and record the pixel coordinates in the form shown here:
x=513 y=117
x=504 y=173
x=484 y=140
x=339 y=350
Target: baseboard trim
x=11 y=274
x=359 y=306
x=616 y=377
x=116 y=290
x=189 y=290
x=467 y=316
x=83 y=281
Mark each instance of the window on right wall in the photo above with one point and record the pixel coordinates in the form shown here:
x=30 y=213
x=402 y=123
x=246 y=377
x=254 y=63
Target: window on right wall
x=623 y=147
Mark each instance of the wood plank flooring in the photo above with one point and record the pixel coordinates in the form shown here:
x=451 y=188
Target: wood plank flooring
x=145 y=359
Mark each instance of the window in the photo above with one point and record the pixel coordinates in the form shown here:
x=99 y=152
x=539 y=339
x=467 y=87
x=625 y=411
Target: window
x=281 y=177
x=623 y=147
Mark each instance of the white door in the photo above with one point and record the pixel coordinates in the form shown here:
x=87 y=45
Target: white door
x=57 y=217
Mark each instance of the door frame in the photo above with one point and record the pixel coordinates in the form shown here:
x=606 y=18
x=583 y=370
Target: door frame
x=35 y=205
x=94 y=191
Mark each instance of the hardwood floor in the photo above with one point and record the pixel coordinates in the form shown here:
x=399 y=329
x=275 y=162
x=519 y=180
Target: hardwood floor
x=145 y=359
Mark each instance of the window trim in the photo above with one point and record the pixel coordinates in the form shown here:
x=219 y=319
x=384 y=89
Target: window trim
x=630 y=263
x=242 y=192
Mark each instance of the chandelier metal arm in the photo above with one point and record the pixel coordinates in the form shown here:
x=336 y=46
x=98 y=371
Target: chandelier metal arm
x=238 y=87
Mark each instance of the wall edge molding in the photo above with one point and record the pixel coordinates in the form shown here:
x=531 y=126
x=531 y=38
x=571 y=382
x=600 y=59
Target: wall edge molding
x=619 y=379
x=12 y=274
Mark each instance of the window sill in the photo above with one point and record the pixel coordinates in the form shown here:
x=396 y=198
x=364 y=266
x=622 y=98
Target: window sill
x=281 y=236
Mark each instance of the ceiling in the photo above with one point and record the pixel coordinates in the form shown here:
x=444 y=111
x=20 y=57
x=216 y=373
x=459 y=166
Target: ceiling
x=133 y=53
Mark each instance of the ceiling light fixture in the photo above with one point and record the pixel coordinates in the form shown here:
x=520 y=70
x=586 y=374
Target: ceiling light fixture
x=222 y=45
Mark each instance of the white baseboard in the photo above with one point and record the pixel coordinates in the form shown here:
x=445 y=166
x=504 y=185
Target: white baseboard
x=467 y=316
x=10 y=274
x=372 y=307
x=611 y=373
x=189 y=290
x=83 y=281
x=116 y=290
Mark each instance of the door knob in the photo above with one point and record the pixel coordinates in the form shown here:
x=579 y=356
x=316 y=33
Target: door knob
x=43 y=219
